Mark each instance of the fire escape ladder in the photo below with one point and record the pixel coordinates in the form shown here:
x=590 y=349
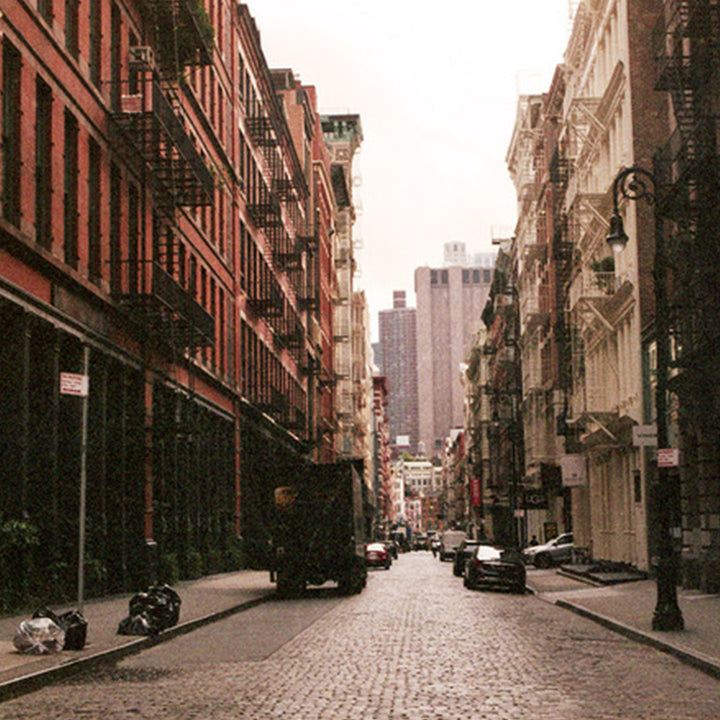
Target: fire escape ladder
x=157 y=301
x=150 y=120
x=687 y=46
x=192 y=37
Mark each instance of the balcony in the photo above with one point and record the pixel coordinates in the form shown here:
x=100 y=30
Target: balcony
x=187 y=35
x=269 y=302
x=153 y=127
x=590 y=410
x=157 y=301
x=535 y=307
x=683 y=156
x=265 y=209
x=594 y=295
x=261 y=131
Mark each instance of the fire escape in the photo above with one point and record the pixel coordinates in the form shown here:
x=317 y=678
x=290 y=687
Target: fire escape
x=153 y=130
x=275 y=208
x=596 y=295
x=687 y=52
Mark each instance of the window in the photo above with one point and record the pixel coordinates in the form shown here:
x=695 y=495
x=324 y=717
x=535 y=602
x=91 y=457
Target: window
x=466 y=277
x=11 y=157
x=43 y=164
x=45 y=8
x=71 y=27
x=93 y=212
x=95 y=42
x=115 y=225
x=443 y=277
x=70 y=190
x=133 y=225
x=115 y=61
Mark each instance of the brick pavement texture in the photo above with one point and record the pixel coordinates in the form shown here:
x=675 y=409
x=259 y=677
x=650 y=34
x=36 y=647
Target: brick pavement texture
x=415 y=645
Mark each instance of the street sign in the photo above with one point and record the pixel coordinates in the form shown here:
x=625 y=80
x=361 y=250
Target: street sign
x=74 y=384
x=644 y=435
x=574 y=470
x=668 y=457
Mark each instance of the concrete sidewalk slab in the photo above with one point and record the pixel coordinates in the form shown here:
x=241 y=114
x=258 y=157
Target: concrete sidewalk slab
x=203 y=601
x=628 y=608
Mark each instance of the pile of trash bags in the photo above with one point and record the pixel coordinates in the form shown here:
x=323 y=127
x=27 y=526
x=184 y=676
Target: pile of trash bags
x=47 y=633
x=151 y=612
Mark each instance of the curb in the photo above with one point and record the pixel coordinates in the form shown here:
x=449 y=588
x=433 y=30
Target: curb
x=708 y=665
x=34 y=681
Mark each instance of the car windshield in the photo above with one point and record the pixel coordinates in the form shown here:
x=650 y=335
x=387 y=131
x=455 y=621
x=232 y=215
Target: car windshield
x=375 y=547
x=488 y=552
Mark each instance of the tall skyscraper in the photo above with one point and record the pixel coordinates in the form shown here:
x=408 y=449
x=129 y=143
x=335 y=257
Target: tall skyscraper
x=397 y=361
x=450 y=301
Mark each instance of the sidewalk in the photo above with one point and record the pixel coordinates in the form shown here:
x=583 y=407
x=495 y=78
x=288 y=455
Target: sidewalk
x=628 y=607
x=203 y=601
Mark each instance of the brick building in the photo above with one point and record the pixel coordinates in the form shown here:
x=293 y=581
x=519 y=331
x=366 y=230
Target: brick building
x=165 y=223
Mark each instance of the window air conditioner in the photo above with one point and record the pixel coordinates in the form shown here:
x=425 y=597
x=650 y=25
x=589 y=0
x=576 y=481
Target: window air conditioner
x=141 y=55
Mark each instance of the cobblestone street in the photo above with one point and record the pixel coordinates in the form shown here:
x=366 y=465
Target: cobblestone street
x=415 y=645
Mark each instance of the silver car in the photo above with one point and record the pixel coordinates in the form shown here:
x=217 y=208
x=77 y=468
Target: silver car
x=556 y=551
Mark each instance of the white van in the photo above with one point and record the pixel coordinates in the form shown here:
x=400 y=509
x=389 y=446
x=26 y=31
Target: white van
x=449 y=542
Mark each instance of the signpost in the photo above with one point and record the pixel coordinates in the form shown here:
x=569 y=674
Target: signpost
x=79 y=385
x=668 y=457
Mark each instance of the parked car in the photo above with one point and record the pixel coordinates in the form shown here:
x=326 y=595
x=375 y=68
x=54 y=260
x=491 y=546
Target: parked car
x=462 y=555
x=557 y=551
x=491 y=566
x=421 y=542
x=449 y=542
x=376 y=555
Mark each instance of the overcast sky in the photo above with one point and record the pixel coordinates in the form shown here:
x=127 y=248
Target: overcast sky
x=436 y=87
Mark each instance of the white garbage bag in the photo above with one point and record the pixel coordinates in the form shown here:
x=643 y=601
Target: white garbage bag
x=39 y=636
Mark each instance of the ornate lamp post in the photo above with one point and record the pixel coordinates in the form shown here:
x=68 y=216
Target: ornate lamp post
x=635 y=183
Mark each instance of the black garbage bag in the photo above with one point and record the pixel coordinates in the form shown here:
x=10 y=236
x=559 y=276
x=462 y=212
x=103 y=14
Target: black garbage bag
x=39 y=636
x=73 y=624
x=151 y=612
x=139 y=624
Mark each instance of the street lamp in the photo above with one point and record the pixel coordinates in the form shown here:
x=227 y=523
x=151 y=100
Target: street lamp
x=635 y=183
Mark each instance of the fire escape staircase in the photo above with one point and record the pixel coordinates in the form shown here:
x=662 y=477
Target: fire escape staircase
x=687 y=52
x=686 y=39
x=185 y=34
x=151 y=126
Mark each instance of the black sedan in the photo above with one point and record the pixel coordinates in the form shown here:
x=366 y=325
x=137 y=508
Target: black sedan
x=462 y=555
x=495 y=567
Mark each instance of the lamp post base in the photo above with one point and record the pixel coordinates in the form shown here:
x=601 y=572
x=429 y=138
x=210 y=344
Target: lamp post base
x=667 y=615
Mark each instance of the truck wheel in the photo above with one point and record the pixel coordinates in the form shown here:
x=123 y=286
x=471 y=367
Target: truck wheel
x=353 y=579
x=289 y=586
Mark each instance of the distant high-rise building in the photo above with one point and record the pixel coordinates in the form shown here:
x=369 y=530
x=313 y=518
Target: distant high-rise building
x=454 y=253
x=450 y=301
x=397 y=361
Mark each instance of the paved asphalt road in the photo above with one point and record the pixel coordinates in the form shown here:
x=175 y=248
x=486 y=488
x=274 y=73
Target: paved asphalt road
x=415 y=645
